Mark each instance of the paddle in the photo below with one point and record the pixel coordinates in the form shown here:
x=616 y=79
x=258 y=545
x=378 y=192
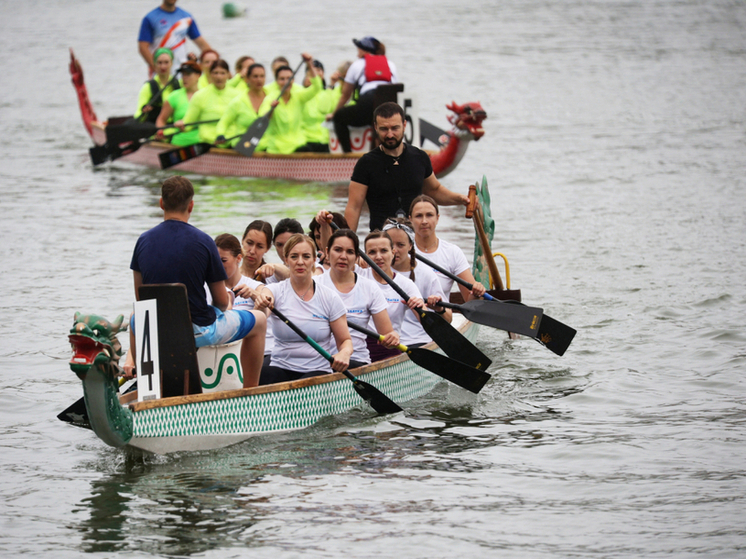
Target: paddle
x=134 y=130
x=492 y=313
x=458 y=373
x=102 y=154
x=450 y=340
x=375 y=398
x=553 y=334
x=250 y=139
x=179 y=155
x=77 y=413
x=521 y=320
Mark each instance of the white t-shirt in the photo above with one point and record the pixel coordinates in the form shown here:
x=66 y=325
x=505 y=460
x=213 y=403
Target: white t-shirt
x=395 y=304
x=447 y=256
x=241 y=304
x=356 y=76
x=313 y=317
x=428 y=284
x=362 y=302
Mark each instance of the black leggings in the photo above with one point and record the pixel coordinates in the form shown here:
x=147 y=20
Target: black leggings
x=359 y=114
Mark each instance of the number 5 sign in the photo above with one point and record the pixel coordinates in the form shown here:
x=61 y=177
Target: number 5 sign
x=146 y=342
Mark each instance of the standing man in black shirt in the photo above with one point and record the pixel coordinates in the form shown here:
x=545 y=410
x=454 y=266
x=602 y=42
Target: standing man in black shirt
x=392 y=175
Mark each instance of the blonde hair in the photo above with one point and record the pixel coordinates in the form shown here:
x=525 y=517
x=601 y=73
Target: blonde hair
x=295 y=240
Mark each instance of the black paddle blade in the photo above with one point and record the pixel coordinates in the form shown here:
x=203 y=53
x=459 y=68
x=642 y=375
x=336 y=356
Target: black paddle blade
x=130 y=131
x=553 y=334
x=452 y=342
x=176 y=156
x=248 y=142
x=77 y=414
x=519 y=319
x=454 y=371
x=375 y=398
x=99 y=155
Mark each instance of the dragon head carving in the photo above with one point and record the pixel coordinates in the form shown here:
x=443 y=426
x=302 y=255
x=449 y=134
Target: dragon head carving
x=468 y=117
x=94 y=341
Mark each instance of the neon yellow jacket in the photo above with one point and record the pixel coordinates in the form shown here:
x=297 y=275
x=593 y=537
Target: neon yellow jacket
x=238 y=116
x=314 y=115
x=179 y=103
x=146 y=94
x=209 y=104
x=285 y=131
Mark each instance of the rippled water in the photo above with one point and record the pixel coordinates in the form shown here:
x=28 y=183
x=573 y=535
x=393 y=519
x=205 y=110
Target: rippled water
x=615 y=156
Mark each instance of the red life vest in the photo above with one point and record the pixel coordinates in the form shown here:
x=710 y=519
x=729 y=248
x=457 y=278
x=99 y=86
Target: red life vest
x=377 y=68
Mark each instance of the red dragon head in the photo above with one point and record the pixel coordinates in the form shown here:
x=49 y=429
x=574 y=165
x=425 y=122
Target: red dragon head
x=469 y=117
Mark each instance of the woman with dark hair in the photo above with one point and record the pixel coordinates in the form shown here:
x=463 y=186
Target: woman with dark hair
x=175 y=107
x=425 y=215
x=363 y=300
x=285 y=133
x=371 y=70
x=245 y=107
x=315 y=309
x=256 y=241
x=156 y=90
x=402 y=236
x=379 y=248
x=211 y=102
x=244 y=288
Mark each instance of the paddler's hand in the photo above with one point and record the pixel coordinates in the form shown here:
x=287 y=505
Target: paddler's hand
x=414 y=303
x=146 y=109
x=243 y=291
x=478 y=290
x=265 y=271
x=159 y=135
x=179 y=124
x=263 y=299
x=390 y=340
x=129 y=367
x=307 y=58
x=341 y=361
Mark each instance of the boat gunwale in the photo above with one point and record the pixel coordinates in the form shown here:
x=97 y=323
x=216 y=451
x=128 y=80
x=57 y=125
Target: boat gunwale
x=277 y=387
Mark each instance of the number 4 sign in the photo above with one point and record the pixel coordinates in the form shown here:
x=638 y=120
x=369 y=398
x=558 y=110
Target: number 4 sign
x=146 y=341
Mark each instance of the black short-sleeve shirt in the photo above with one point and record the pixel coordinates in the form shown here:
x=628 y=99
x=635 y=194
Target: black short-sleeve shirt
x=392 y=182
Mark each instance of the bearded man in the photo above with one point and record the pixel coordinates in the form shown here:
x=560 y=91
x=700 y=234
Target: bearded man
x=390 y=176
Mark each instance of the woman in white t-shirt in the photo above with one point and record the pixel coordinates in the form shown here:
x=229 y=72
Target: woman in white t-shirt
x=402 y=235
x=424 y=215
x=362 y=298
x=315 y=309
x=229 y=248
x=379 y=248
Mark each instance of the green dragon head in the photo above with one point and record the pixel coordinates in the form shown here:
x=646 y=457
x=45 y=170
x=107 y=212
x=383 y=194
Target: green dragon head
x=94 y=341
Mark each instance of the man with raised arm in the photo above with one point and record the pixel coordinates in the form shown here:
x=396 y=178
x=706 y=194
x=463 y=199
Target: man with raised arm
x=168 y=26
x=390 y=176
x=176 y=252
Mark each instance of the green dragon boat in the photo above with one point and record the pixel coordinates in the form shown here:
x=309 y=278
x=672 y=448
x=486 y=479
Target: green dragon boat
x=217 y=411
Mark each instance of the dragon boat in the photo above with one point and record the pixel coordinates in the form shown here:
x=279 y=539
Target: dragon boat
x=466 y=125
x=204 y=405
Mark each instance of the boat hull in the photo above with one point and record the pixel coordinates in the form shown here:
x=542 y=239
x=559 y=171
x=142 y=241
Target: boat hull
x=219 y=419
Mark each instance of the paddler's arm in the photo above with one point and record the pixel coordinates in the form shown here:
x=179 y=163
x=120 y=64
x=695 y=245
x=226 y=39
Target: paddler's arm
x=356 y=196
x=432 y=187
x=144 y=48
x=344 y=344
x=220 y=298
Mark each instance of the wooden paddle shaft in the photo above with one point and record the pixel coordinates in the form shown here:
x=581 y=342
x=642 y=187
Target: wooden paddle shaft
x=478 y=218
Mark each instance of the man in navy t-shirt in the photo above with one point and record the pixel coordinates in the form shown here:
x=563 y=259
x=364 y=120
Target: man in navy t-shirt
x=176 y=252
x=168 y=26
